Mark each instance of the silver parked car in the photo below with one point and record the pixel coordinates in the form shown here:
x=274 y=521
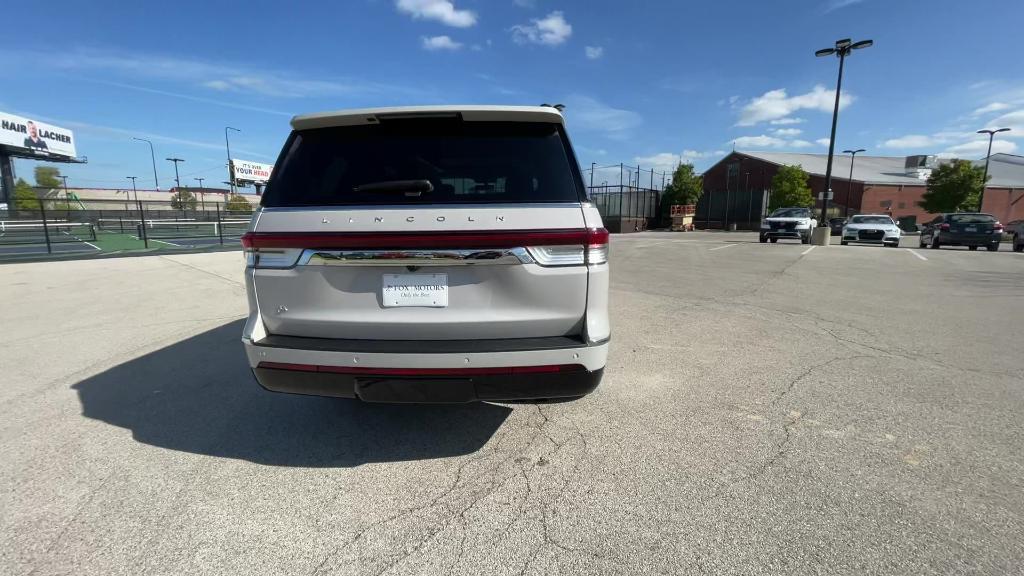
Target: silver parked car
x=428 y=254
x=871 y=229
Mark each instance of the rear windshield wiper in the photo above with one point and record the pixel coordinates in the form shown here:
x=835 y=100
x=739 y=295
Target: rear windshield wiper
x=409 y=187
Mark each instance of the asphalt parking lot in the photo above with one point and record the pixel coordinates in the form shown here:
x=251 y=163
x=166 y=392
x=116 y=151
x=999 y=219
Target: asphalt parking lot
x=767 y=409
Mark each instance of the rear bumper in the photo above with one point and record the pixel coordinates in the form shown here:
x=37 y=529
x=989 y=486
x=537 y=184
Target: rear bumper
x=948 y=239
x=427 y=371
x=432 y=388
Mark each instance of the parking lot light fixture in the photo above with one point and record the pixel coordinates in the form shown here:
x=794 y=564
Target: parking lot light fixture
x=849 y=181
x=984 y=180
x=842 y=49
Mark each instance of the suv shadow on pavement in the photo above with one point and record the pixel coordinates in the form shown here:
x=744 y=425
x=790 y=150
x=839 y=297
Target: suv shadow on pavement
x=198 y=395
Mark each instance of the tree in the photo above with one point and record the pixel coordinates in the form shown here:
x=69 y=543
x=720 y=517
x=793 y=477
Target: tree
x=24 y=196
x=789 y=188
x=953 y=187
x=183 y=199
x=686 y=187
x=237 y=203
x=47 y=177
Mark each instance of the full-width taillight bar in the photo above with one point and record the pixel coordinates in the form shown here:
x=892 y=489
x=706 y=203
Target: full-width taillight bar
x=592 y=237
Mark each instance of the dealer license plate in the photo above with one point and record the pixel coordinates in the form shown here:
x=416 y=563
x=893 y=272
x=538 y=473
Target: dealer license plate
x=425 y=290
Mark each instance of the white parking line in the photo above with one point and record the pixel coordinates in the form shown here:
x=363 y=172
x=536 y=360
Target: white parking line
x=722 y=247
x=162 y=242
x=808 y=251
x=916 y=254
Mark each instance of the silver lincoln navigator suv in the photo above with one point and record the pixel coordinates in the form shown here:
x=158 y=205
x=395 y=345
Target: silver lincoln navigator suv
x=428 y=254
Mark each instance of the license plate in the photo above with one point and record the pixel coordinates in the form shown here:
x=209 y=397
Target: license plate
x=425 y=290
x=872 y=231
x=971 y=229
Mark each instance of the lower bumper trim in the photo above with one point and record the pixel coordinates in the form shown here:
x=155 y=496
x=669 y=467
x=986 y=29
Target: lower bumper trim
x=448 y=387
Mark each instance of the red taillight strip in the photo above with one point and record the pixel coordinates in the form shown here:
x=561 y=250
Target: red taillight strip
x=473 y=239
x=454 y=372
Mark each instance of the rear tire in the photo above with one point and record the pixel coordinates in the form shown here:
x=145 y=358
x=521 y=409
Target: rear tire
x=774 y=240
x=763 y=239
x=972 y=248
x=1018 y=243
x=805 y=239
x=935 y=243
x=993 y=247
x=844 y=243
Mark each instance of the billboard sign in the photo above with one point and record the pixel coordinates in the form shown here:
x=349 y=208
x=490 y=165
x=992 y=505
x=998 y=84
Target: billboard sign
x=246 y=171
x=35 y=137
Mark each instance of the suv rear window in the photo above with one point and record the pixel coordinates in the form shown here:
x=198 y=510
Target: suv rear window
x=971 y=218
x=464 y=162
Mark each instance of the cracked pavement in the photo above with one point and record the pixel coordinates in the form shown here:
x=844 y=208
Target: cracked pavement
x=851 y=410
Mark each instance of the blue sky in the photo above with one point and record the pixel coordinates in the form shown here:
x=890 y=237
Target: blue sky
x=644 y=82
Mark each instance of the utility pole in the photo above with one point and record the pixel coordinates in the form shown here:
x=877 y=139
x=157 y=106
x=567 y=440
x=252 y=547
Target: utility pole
x=592 y=167
x=177 y=181
x=202 y=195
x=849 y=181
x=134 y=191
x=984 y=181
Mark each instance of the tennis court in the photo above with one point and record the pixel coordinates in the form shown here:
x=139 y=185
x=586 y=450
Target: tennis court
x=19 y=237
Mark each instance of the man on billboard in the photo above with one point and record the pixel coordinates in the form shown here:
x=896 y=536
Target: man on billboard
x=33 y=140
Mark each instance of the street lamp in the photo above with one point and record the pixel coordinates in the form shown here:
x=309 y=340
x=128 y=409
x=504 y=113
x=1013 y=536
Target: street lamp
x=227 y=144
x=177 y=183
x=984 y=181
x=842 y=49
x=849 y=181
x=134 y=191
x=152 y=156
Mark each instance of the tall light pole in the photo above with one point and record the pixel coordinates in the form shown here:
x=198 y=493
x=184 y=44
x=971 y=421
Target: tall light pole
x=842 y=49
x=134 y=191
x=202 y=195
x=152 y=156
x=227 y=144
x=984 y=181
x=177 y=182
x=849 y=181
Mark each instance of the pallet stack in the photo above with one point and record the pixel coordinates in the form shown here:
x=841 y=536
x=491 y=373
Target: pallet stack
x=682 y=217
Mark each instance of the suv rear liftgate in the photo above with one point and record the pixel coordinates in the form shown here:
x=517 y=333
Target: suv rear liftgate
x=428 y=256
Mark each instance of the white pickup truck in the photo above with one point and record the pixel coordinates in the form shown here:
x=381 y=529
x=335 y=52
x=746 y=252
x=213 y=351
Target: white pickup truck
x=795 y=223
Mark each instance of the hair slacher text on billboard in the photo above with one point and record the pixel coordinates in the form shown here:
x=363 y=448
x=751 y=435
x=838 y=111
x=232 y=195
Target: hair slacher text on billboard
x=34 y=136
x=245 y=171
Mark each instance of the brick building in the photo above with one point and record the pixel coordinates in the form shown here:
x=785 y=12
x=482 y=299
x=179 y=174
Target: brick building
x=737 y=187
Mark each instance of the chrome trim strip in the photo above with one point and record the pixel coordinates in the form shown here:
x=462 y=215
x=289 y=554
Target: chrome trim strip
x=474 y=257
x=396 y=207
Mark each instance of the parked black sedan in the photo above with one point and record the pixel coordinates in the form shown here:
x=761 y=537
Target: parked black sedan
x=963 y=229
x=836 y=225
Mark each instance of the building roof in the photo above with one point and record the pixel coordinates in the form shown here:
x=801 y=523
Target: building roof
x=364 y=116
x=1005 y=170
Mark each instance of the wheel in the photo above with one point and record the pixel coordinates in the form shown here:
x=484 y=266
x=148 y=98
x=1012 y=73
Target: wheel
x=805 y=239
x=921 y=243
x=844 y=243
x=993 y=247
x=893 y=245
x=1018 y=243
x=935 y=243
x=774 y=240
x=763 y=238
x=972 y=248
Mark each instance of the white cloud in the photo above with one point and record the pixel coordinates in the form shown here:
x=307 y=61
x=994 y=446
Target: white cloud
x=550 y=30
x=775 y=104
x=762 y=141
x=910 y=141
x=823 y=142
x=788 y=132
x=594 y=52
x=837 y=4
x=1014 y=121
x=442 y=11
x=587 y=114
x=663 y=162
x=989 y=108
x=787 y=121
x=435 y=43
x=218 y=76
x=525 y=3
x=800 y=144
x=734 y=99
x=978 y=149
